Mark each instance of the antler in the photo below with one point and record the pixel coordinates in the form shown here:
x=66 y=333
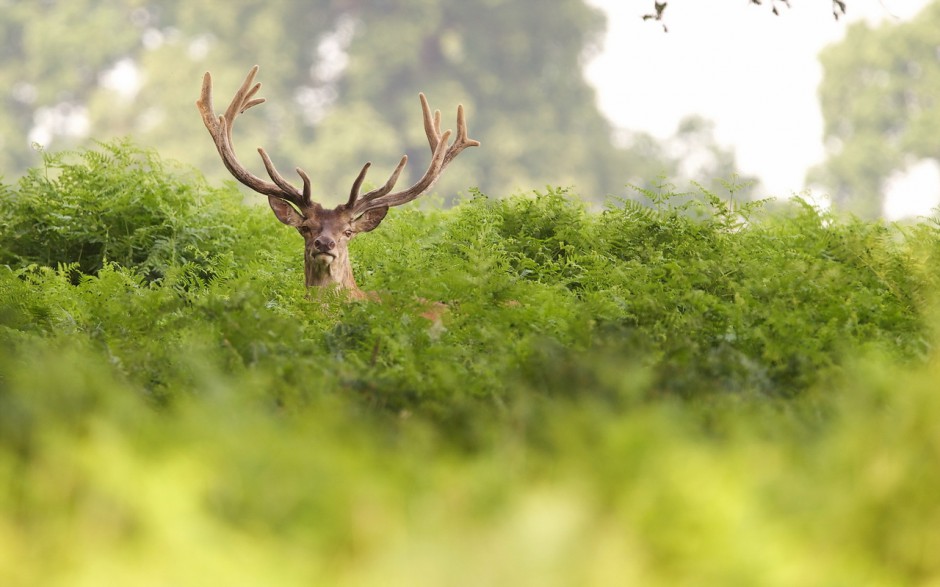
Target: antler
x=441 y=156
x=221 y=130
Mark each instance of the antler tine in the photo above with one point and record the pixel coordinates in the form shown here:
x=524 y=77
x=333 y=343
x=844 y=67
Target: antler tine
x=441 y=155
x=432 y=127
x=432 y=123
x=242 y=100
x=427 y=180
x=354 y=192
x=290 y=192
x=381 y=191
x=230 y=160
x=307 y=191
x=462 y=141
x=220 y=128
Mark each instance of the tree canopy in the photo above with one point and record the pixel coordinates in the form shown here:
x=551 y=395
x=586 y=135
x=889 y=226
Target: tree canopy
x=341 y=79
x=879 y=98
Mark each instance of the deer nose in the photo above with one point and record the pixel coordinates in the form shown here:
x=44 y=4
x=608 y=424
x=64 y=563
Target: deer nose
x=324 y=244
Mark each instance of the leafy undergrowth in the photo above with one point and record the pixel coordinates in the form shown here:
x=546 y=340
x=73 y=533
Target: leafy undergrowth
x=677 y=394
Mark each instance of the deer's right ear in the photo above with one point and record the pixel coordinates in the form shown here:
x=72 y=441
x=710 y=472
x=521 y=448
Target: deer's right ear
x=369 y=219
x=285 y=212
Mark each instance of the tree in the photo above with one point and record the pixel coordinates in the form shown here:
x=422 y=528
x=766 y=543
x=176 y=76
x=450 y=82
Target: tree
x=50 y=66
x=341 y=78
x=880 y=99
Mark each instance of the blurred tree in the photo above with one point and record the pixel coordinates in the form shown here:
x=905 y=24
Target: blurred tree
x=51 y=65
x=703 y=159
x=880 y=98
x=342 y=78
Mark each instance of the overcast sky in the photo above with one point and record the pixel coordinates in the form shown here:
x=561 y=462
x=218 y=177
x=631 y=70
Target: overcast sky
x=755 y=74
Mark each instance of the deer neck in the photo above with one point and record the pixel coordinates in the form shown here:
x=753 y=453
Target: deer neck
x=336 y=274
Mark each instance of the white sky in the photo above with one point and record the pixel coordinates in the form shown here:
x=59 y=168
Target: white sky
x=754 y=74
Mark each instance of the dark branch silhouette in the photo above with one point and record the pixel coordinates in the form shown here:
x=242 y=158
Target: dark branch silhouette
x=659 y=8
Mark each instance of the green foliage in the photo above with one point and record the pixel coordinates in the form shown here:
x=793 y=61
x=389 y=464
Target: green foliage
x=120 y=204
x=878 y=98
x=697 y=392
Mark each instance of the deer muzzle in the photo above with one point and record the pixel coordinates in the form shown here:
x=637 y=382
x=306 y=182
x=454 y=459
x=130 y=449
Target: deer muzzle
x=324 y=244
x=323 y=250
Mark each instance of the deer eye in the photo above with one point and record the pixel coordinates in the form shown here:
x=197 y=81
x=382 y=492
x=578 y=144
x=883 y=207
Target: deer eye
x=348 y=232
x=304 y=230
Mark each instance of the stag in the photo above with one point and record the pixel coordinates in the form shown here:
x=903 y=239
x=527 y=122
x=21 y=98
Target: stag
x=327 y=232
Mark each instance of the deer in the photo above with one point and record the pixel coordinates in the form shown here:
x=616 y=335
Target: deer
x=327 y=232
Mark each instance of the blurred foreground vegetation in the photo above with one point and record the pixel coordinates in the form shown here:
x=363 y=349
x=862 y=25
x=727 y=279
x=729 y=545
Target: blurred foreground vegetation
x=684 y=394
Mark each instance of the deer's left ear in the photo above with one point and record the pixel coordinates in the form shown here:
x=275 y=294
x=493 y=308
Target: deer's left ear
x=369 y=219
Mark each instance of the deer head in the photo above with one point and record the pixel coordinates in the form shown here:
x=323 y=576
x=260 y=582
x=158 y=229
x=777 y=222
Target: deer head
x=327 y=232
